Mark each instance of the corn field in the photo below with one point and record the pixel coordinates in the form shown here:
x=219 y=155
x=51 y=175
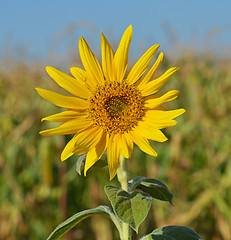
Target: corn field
x=38 y=191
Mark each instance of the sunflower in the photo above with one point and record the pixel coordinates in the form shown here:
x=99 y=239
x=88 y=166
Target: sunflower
x=110 y=111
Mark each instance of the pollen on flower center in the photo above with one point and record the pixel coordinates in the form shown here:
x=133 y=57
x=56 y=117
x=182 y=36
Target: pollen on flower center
x=116 y=107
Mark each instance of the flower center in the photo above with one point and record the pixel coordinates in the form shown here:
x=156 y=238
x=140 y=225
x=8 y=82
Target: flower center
x=116 y=107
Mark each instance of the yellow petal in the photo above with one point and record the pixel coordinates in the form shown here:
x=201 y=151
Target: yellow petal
x=127 y=145
x=151 y=133
x=160 y=124
x=95 y=153
x=80 y=74
x=69 y=83
x=90 y=63
x=157 y=100
x=113 y=155
x=70 y=127
x=164 y=115
x=107 y=58
x=141 y=66
x=121 y=56
x=86 y=139
x=148 y=77
x=142 y=143
x=160 y=119
x=63 y=116
x=69 y=148
x=154 y=86
x=63 y=101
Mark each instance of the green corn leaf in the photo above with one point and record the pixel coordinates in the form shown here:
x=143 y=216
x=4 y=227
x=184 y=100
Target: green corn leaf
x=131 y=208
x=153 y=187
x=172 y=233
x=78 y=217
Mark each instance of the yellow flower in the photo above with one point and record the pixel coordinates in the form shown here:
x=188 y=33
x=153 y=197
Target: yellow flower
x=109 y=112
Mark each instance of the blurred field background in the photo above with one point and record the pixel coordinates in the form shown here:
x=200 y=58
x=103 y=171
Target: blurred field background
x=37 y=191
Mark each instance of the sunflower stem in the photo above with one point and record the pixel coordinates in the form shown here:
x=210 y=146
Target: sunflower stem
x=122 y=175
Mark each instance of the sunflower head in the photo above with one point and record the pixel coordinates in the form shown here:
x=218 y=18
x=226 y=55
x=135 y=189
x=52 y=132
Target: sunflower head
x=109 y=110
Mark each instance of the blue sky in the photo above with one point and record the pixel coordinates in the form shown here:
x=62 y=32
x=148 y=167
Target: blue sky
x=54 y=25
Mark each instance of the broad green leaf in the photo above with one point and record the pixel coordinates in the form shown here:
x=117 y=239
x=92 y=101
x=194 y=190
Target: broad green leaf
x=102 y=162
x=78 y=217
x=172 y=233
x=131 y=208
x=153 y=187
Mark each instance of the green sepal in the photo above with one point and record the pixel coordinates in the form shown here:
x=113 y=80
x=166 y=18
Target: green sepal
x=65 y=226
x=102 y=162
x=131 y=208
x=153 y=187
x=172 y=233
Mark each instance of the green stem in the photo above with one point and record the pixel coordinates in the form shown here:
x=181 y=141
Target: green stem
x=122 y=175
x=116 y=222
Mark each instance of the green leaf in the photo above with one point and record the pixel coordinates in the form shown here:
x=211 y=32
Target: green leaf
x=78 y=217
x=153 y=187
x=172 y=233
x=102 y=162
x=131 y=208
x=80 y=164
